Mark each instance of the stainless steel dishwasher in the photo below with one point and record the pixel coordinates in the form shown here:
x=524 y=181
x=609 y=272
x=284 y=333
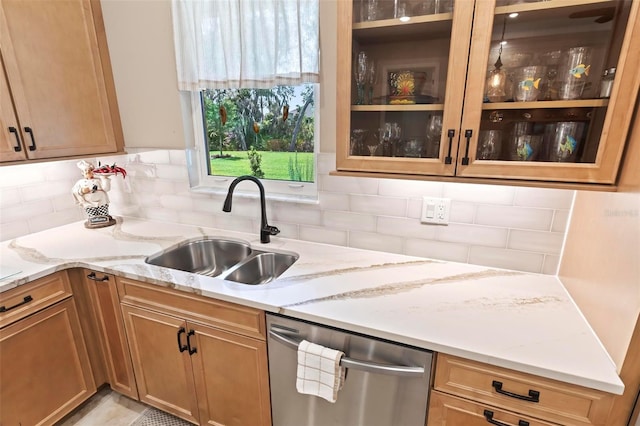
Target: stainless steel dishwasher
x=386 y=384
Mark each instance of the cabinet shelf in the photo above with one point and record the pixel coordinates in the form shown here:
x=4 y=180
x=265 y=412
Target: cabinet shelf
x=553 y=8
x=424 y=26
x=383 y=108
x=581 y=103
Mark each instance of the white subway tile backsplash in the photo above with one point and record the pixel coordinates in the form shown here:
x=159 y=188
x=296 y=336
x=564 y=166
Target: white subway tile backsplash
x=560 y=221
x=541 y=242
x=480 y=194
x=25 y=210
x=9 y=197
x=499 y=226
x=544 y=198
x=40 y=223
x=349 y=221
x=486 y=236
x=405 y=227
x=382 y=206
x=462 y=212
x=514 y=217
x=550 y=265
x=377 y=242
x=324 y=235
x=348 y=185
x=506 y=259
x=11 y=230
x=333 y=201
x=451 y=252
x=410 y=188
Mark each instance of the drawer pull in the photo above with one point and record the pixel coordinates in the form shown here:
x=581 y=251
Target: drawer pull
x=180 y=347
x=488 y=415
x=26 y=299
x=534 y=396
x=94 y=277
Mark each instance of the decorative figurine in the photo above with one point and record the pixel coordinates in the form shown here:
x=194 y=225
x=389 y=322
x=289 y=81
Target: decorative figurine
x=91 y=193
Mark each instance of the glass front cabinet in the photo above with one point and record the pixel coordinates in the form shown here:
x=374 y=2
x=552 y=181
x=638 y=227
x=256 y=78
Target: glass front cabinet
x=493 y=89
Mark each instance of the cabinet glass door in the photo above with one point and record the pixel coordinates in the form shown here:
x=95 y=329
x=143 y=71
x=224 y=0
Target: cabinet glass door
x=551 y=88
x=401 y=74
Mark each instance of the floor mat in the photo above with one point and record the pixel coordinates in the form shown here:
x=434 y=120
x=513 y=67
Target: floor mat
x=153 y=417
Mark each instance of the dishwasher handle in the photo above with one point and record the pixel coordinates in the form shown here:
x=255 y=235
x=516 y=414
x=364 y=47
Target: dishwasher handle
x=355 y=364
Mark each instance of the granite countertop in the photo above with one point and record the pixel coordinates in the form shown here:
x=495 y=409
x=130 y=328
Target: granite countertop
x=511 y=319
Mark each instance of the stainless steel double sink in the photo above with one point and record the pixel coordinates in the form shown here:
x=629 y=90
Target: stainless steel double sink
x=227 y=259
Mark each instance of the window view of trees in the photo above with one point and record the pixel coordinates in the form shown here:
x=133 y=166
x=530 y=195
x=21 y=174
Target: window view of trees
x=267 y=133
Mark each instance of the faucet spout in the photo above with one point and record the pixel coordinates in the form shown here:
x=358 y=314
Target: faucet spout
x=265 y=229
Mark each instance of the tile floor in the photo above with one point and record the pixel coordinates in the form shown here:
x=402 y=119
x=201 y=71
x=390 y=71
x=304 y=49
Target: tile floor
x=105 y=408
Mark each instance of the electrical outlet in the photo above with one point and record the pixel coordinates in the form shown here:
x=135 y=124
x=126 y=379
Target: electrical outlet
x=435 y=210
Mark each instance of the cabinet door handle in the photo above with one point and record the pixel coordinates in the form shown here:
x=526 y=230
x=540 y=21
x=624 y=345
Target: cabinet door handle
x=488 y=415
x=192 y=350
x=18 y=146
x=29 y=130
x=26 y=299
x=450 y=134
x=534 y=396
x=94 y=277
x=180 y=346
x=467 y=135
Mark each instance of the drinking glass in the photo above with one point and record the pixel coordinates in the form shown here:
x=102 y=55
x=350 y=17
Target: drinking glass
x=357 y=140
x=574 y=73
x=434 y=133
x=528 y=82
x=360 y=74
x=565 y=141
x=489 y=145
x=372 y=78
x=527 y=147
x=369 y=10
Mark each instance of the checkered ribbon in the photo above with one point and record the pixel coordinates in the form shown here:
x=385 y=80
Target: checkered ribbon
x=102 y=210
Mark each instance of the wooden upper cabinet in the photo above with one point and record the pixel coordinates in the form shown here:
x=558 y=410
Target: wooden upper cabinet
x=425 y=103
x=57 y=73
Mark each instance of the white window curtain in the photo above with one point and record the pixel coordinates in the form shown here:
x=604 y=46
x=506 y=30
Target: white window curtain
x=224 y=44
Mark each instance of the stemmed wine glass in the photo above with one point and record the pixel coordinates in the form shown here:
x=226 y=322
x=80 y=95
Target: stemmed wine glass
x=357 y=139
x=360 y=71
x=372 y=78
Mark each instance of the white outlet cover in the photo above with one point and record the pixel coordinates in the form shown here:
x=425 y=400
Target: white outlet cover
x=435 y=210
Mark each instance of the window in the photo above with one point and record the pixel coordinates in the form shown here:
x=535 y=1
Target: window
x=252 y=76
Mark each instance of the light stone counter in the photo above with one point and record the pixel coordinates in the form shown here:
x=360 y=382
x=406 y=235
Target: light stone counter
x=516 y=320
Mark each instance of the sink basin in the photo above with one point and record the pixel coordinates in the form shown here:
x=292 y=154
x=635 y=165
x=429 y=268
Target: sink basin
x=208 y=256
x=226 y=259
x=261 y=268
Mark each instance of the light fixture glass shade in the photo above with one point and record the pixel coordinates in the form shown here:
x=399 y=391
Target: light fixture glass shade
x=496 y=85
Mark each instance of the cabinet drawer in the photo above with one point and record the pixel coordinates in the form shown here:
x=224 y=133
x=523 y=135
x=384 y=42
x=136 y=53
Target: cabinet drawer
x=447 y=410
x=548 y=399
x=26 y=299
x=229 y=316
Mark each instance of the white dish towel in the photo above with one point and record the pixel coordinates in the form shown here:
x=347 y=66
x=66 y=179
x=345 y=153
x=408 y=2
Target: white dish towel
x=319 y=371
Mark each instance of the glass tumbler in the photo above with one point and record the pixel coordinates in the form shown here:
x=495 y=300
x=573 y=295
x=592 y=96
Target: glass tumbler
x=574 y=73
x=369 y=10
x=528 y=83
x=565 y=141
x=489 y=145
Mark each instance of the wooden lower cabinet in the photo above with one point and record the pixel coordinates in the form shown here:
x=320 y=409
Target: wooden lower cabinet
x=447 y=410
x=103 y=297
x=44 y=367
x=197 y=372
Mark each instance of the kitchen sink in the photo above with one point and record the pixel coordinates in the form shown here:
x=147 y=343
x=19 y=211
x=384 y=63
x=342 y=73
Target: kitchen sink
x=228 y=259
x=261 y=268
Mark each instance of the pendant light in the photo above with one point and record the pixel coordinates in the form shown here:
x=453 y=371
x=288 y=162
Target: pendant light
x=497 y=80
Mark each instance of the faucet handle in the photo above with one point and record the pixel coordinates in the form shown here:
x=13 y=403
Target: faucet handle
x=272 y=230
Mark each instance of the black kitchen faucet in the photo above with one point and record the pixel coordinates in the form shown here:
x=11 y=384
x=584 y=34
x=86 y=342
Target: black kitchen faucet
x=265 y=229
